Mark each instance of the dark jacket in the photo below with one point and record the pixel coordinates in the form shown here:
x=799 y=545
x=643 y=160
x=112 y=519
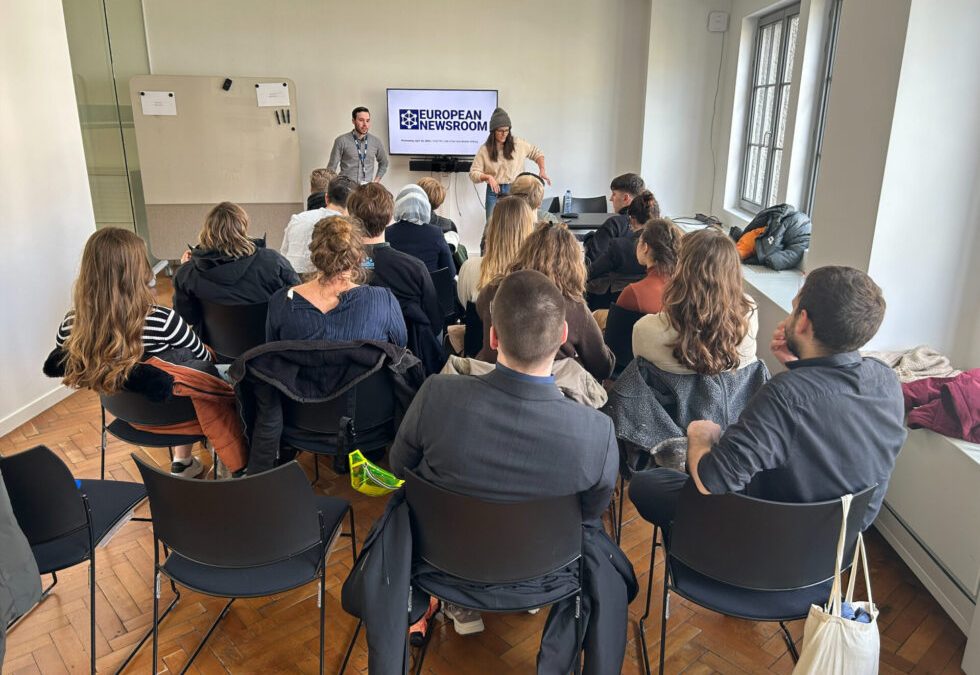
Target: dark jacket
x=20 y=583
x=617 y=267
x=214 y=277
x=649 y=405
x=786 y=237
x=597 y=242
x=444 y=224
x=310 y=371
x=425 y=242
x=316 y=200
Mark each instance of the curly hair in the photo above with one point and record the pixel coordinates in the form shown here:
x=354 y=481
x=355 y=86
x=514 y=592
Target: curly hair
x=112 y=298
x=553 y=250
x=337 y=248
x=662 y=237
x=704 y=302
x=643 y=207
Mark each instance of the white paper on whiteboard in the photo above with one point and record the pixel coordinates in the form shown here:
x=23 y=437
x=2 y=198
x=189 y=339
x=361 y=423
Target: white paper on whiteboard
x=272 y=95
x=158 y=102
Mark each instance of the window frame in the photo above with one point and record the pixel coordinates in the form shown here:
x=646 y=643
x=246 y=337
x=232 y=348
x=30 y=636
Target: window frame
x=784 y=17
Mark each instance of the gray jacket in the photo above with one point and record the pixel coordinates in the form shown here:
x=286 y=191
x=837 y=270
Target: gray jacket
x=785 y=238
x=20 y=583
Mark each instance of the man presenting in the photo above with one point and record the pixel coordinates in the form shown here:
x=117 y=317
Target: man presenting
x=357 y=152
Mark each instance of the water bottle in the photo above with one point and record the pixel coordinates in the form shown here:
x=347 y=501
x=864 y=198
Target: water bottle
x=566 y=203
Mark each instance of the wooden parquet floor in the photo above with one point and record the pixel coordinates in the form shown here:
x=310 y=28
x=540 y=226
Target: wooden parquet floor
x=279 y=634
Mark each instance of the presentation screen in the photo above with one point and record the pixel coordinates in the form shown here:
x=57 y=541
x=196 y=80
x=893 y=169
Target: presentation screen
x=439 y=121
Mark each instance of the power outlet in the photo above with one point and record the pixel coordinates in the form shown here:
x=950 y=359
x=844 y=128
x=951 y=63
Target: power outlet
x=717 y=22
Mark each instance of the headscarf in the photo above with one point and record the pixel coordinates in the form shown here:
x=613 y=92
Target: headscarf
x=412 y=204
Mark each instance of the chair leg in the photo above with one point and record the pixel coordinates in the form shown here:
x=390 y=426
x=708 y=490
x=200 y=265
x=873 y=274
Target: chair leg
x=170 y=449
x=350 y=647
x=577 y=665
x=646 y=613
x=321 y=602
x=207 y=635
x=102 y=471
x=619 y=525
x=353 y=537
x=663 y=621
x=91 y=603
x=155 y=628
x=789 y=642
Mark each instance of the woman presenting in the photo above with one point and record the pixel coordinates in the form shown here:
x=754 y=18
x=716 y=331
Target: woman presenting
x=501 y=158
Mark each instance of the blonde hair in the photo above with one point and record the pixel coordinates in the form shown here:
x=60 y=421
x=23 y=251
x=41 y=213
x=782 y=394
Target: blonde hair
x=112 y=298
x=553 y=250
x=337 y=248
x=511 y=222
x=705 y=303
x=226 y=231
x=320 y=179
x=530 y=189
x=433 y=190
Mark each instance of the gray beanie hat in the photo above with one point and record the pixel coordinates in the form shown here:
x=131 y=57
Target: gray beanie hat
x=499 y=118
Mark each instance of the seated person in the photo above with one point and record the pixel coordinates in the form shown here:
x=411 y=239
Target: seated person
x=332 y=306
x=446 y=440
x=228 y=268
x=708 y=324
x=657 y=249
x=319 y=183
x=511 y=222
x=530 y=188
x=299 y=230
x=437 y=195
x=617 y=266
x=624 y=189
x=114 y=325
x=412 y=234
x=553 y=250
x=829 y=426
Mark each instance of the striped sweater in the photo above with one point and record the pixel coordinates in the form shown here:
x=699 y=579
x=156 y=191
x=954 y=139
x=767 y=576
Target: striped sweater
x=162 y=330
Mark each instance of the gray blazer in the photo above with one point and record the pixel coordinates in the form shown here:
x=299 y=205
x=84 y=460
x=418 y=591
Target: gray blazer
x=20 y=583
x=499 y=437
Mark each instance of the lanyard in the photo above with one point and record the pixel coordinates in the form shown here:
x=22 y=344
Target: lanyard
x=361 y=154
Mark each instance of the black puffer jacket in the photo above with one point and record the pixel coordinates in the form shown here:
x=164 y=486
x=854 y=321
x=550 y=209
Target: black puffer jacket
x=786 y=237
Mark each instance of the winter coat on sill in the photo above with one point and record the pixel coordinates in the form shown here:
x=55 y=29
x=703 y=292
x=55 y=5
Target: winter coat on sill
x=783 y=241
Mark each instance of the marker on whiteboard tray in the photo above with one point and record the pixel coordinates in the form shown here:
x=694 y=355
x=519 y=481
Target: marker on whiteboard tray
x=287 y=115
x=277 y=118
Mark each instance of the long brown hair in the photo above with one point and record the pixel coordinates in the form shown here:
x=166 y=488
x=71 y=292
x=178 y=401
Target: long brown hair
x=705 y=303
x=226 y=231
x=510 y=224
x=508 y=146
x=112 y=298
x=553 y=250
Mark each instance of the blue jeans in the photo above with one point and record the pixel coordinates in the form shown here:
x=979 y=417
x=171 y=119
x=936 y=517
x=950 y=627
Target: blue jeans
x=492 y=197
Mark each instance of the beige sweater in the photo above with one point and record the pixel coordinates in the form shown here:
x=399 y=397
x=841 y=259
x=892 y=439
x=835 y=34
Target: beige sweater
x=653 y=338
x=503 y=170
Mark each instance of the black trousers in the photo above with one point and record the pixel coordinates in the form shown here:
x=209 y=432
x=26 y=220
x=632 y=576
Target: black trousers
x=655 y=494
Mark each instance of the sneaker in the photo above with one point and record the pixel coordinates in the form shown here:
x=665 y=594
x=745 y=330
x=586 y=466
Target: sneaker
x=465 y=621
x=418 y=630
x=178 y=468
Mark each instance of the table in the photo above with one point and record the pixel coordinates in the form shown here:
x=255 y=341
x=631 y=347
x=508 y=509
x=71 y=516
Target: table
x=587 y=221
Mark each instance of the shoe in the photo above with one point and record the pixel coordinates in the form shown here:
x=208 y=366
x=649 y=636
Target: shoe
x=534 y=611
x=418 y=630
x=465 y=621
x=186 y=470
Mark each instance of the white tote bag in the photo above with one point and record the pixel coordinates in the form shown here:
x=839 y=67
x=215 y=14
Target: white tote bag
x=833 y=645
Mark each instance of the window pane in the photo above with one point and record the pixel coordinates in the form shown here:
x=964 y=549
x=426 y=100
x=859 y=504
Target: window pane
x=764 y=56
x=794 y=26
x=774 y=181
x=751 y=174
x=773 y=73
x=757 y=109
x=760 y=183
x=783 y=114
x=767 y=116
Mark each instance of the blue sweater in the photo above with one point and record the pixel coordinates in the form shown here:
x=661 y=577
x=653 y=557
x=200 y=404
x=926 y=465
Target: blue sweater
x=425 y=242
x=364 y=313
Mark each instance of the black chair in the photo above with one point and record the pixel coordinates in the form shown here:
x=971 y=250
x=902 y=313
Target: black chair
x=752 y=559
x=473 y=337
x=231 y=330
x=553 y=206
x=619 y=335
x=130 y=408
x=64 y=519
x=486 y=542
x=243 y=538
x=362 y=418
x=589 y=204
x=443 y=280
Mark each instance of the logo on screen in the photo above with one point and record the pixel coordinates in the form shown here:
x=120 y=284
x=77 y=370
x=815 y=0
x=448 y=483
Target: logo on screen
x=408 y=119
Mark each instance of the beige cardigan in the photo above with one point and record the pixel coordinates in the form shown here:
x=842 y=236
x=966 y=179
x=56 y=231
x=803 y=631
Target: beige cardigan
x=503 y=170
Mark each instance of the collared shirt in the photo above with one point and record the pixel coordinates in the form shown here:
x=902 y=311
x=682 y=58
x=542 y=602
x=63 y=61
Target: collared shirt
x=298 y=235
x=829 y=426
x=345 y=153
x=524 y=377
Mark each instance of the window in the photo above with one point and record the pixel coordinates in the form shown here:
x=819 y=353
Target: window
x=830 y=53
x=772 y=70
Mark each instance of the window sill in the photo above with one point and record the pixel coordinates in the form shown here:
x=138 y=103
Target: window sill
x=778 y=286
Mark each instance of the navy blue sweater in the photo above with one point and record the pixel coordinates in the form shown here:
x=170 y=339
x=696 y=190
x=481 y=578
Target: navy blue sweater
x=425 y=242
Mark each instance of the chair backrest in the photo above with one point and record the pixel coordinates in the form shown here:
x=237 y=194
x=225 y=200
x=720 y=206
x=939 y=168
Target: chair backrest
x=136 y=408
x=473 y=337
x=619 y=333
x=553 y=205
x=492 y=542
x=239 y=522
x=231 y=330
x=442 y=279
x=46 y=501
x=589 y=204
x=761 y=545
x=369 y=404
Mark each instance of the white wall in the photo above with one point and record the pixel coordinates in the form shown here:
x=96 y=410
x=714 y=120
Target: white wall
x=570 y=73
x=46 y=210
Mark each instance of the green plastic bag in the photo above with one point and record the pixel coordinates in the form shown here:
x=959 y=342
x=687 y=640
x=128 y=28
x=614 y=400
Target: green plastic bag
x=369 y=478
